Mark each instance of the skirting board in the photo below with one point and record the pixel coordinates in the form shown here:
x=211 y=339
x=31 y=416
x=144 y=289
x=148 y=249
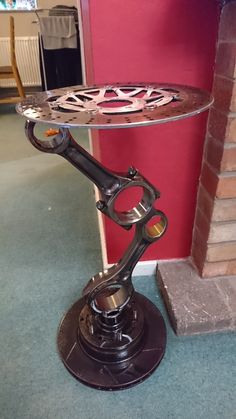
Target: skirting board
x=143 y=268
x=148 y=267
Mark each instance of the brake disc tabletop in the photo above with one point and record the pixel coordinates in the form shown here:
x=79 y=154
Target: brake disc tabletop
x=117 y=106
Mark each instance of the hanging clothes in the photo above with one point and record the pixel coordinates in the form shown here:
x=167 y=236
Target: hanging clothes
x=58 y=32
x=60 y=49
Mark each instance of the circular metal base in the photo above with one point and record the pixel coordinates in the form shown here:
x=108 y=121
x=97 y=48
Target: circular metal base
x=113 y=375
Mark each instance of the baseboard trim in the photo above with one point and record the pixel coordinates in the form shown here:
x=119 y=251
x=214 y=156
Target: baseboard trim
x=143 y=268
x=148 y=267
x=101 y=233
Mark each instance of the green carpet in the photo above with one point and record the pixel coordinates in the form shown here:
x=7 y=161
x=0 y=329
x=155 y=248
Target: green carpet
x=49 y=248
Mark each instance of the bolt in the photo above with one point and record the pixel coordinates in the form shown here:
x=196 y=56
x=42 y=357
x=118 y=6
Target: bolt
x=132 y=171
x=177 y=98
x=91 y=329
x=135 y=314
x=100 y=205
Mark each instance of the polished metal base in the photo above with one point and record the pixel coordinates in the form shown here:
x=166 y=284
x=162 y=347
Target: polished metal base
x=113 y=372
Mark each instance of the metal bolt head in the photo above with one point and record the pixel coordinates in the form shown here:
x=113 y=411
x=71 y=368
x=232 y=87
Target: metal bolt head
x=91 y=329
x=100 y=205
x=132 y=171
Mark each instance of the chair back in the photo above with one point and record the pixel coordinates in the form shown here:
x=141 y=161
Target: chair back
x=12 y=42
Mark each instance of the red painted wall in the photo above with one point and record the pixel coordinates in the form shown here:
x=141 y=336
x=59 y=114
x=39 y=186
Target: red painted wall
x=167 y=41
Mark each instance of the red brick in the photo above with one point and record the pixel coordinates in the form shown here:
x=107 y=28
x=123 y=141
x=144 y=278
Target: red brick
x=198 y=260
x=205 y=202
x=226 y=59
x=222 y=232
x=213 y=259
x=221 y=185
x=221 y=157
x=224 y=92
x=226 y=186
x=228 y=162
x=221 y=252
x=217 y=122
x=213 y=269
x=202 y=224
x=199 y=242
x=230 y=134
x=209 y=180
x=213 y=152
x=224 y=210
x=222 y=126
x=227 y=30
x=198 y=251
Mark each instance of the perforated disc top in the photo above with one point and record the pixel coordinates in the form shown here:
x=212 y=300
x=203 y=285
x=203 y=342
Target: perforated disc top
x=115 y=106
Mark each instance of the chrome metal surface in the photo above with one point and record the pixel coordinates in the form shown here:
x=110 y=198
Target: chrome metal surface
x=116 y=106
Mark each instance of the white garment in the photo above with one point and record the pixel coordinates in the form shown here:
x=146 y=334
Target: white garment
x=58 y=32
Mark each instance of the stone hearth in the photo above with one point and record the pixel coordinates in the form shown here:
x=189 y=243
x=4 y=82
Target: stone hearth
x=197 y=305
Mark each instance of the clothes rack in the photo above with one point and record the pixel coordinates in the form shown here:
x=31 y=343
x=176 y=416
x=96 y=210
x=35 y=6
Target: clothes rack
x=59 y=67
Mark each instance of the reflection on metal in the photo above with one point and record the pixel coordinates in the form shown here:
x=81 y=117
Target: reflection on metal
x=113 y=338
x=112 y=100
x=117 y=106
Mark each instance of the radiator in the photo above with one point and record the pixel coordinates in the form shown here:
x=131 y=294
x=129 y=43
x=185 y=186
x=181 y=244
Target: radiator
x=27 y=56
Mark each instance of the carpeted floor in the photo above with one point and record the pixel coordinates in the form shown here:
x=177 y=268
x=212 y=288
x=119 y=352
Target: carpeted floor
x=49 y=248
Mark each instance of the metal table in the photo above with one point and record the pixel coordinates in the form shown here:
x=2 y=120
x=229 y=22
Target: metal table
x=113 y=337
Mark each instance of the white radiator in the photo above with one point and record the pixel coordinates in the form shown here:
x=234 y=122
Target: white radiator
x=27 y=56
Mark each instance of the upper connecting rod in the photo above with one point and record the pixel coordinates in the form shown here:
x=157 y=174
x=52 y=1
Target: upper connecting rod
x=110 y=184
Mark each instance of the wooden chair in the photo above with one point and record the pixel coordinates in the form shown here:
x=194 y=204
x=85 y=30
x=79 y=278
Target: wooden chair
x=11 y=72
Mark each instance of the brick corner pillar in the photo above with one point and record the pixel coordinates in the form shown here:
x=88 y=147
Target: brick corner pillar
x=214 y=234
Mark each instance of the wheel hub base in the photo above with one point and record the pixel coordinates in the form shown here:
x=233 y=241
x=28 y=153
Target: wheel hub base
x=119 y=374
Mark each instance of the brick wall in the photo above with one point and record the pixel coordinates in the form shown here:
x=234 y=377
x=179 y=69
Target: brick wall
x=214 y=235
